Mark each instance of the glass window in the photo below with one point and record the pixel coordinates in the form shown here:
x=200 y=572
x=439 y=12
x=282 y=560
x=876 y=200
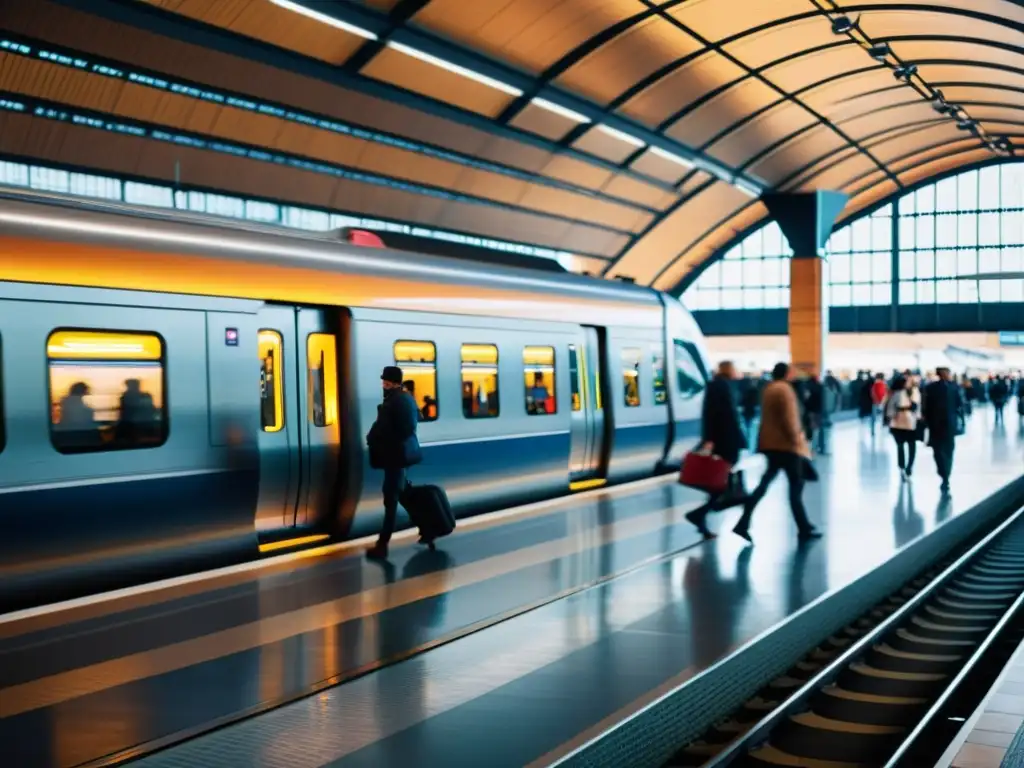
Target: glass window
x=574 y=379
x=945 y=292
x=945 y=263
x=907 y=265
x=881 y=293
x=925 y=199
x=1013 y=228
x=753 y=298
x=988 y=188
x=967 y=262
x=691 y=375
x=732 y=298
x=322 y=368
x=271 y=352
x=988 y=260
x=988 y=229
x=773 y=298
x=480 y=381
x=774 y=271
x=925 y=235
x=732 y=274
x=881 y=266
x=1013 y=259
x=1013 y=290
x=418 y=361
x=907 y=293
x=945 y=195
x=881 y=234
x=967 y=229
x=631 y=376
x=926 y=292
x=906 y=204
x=106 y=390
x=925 y=264
x=842 y=295
x=967 y=291
x=839 y=266
x=945 y=230
x=772 y=239
x=861 y=295
x=840 y=240
x=862 y=234
x=658 y=375
x=967 y=191
x=539 y=375
x=988 y=291
x=907 y=229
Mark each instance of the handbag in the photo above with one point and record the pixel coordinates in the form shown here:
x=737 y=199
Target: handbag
x=705 y=472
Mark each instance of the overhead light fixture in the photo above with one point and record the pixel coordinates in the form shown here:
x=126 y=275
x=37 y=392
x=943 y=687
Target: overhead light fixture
x=904 y=72
x=469 y=74
x=558 y=109
x=746 y=187
x=939 y=104
x=966 y=125
x=879 y=51
x=617 y=134
x=841 y=25
x=323 y=18
x=671 y=157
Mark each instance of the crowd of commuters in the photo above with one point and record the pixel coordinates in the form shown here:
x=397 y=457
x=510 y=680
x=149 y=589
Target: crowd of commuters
x=787 y=417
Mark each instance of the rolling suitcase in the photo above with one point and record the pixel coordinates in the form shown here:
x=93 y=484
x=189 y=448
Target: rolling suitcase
x=429 y=510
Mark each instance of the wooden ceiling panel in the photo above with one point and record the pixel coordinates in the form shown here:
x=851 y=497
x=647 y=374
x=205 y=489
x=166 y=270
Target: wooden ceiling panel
x=836 y=172
x=659 y=167
x=971 y=72
x=627 y=59
x=630 y=188
x=803 y=71
x=42 y=79
x=855 y=94
x=716 y=20
x=871 y=190
x=590 y=240
x=542 y=122
x=709 y=245
x=701 y=124
x=869 y=123
x=472 y=218
x=892 y=147
x=272 y=24
x=597 y=142
x=396 y=68
x=558 y=202
x=983 y=92
x=531 y=34
x=1005 y=9
x=796 y=153
x=944 y=164
x=772 y=44
x=926 y=23
x=686 y=85
x=932 y=153
x=575 y=171
x=806 y=178
x=776 y=124
x=678 y=230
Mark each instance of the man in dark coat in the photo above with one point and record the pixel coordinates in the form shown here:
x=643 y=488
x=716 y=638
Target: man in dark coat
x=942 y=412
x=393 y=447
x=722 y=434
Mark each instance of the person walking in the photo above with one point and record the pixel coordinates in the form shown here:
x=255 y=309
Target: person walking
x=393 y=448
x=782 y=441
x=722 y=434
x=879 y=392
x=999 y=393
x=942 y=410
x=903 y=409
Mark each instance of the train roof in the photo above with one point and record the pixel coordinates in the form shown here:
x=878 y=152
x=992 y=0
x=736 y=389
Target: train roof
x=56 y=239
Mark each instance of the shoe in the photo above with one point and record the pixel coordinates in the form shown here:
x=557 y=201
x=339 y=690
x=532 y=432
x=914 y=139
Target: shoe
x=698 y=522
x=810 y=533
x=427 y=541
x=377 y=552
x=743 y=532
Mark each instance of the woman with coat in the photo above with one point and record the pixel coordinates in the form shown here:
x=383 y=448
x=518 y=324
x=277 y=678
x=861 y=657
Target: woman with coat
x=903 y=411
x=720 y=433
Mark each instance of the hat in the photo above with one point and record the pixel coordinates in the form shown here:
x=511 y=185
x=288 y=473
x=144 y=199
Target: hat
x=392 y=373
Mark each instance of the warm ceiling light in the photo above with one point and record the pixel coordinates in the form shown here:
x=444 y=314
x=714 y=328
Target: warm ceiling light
x=905 y=72
x=323 y=18
x=621 y=136
x=558 y=109
x=455 y=68
x=746 y=187
x=841 y=25
x=880 y=51
x=672 y=157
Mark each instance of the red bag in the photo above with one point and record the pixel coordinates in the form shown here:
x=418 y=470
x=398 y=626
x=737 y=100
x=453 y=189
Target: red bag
x=705 y=472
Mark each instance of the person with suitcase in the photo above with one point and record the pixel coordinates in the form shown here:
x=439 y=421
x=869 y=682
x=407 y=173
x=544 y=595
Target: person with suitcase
x=393 y=447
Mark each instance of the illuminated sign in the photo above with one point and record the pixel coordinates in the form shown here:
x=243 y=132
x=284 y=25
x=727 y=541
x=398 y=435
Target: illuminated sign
x=231 y=337
x=1011 y=338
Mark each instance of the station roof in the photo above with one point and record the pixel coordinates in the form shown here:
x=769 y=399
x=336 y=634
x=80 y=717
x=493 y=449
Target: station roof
x=637 y=135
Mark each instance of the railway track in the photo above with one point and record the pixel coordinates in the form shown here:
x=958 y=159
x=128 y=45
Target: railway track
x=869 y=694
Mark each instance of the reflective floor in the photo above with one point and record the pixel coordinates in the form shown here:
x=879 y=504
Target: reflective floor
x=103 y=679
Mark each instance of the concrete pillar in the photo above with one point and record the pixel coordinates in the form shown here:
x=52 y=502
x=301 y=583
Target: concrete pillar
x=806 y=220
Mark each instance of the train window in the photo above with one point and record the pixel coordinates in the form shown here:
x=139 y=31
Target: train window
x=480 y=381
x=322 y=366
x=658 y=369
x=418 y=361
x=271 y=350
x=107 y=390
x=631 y=376
x=574 y=379
x=691 y=375
x=539 y=374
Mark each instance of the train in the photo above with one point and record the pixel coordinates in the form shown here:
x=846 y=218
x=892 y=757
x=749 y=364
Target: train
x=179 y=392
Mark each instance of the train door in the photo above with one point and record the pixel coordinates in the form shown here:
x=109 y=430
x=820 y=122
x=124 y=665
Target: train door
x=588 y=419
x=282 y=427
x=319 y=406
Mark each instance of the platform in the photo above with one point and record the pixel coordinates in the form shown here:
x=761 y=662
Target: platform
x=548 y=625
x=994 y=734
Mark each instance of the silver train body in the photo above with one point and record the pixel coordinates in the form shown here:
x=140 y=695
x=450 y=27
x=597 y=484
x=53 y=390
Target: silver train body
x=219 y=484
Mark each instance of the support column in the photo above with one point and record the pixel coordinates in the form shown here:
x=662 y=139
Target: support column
x=806 y=220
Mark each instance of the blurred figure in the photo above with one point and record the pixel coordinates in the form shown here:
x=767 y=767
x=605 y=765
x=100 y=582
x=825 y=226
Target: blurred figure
x=720 y=433
x=903 y=411
x=393 y=447
x=783 y=443
x=999 y=393
x=537 y=400
x=942 y=410
x=865 y=405
x=814 y=411
x=750 y=396
x=879 y=392
x=137 y=415
x=77 y=426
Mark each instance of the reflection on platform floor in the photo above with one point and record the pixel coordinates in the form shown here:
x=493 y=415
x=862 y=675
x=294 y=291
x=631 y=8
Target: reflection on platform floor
x=525 y=688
